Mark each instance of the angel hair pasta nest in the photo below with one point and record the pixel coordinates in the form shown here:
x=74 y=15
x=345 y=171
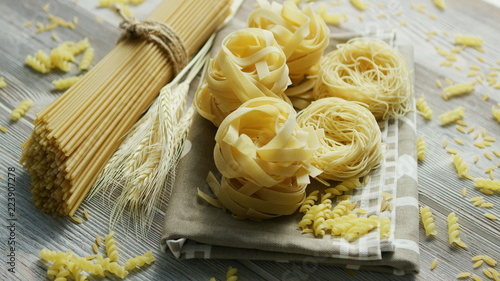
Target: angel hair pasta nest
x=370 y=71
x=352 y=145
x=250 y=64
x=264 y=158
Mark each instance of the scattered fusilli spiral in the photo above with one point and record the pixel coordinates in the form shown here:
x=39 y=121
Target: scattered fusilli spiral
x=460 y=166
x=65 y=83
x=36 y=64
x=344 y=186
x=427 y=221
x=421 y=148
x=457 y=90
x=112 y=267
x=496 y=113
x=87 y=58
x=489 y=184
x=453 y=230
x=111 y=249
x=385 y=227
x=424 y=108
x=309 y=201
x=139 y=261
x=452 y=116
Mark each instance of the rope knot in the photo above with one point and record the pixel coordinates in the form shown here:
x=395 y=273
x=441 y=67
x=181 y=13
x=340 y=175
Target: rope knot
x=160 y=33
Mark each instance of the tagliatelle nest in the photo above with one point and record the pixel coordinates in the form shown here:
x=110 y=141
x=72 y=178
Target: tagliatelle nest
x=249 y=65
x=370 y=71
x=352 y=145
x=264 y=158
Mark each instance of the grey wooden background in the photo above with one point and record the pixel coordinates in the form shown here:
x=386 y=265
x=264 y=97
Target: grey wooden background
x=439 y=185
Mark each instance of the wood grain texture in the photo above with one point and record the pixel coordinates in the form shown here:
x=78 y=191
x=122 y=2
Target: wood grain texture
x=440 y=188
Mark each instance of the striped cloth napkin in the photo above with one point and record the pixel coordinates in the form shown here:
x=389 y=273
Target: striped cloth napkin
x=195 y=229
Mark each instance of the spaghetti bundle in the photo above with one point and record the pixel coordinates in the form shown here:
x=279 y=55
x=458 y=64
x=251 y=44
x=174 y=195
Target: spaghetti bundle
x=369 y=71
x=76 y=134
x=302 y=34
x=250 y=64
x=352 y=144
x=264 y=159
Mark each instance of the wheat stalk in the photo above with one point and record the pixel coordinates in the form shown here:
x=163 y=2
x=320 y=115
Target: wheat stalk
x=145 y=161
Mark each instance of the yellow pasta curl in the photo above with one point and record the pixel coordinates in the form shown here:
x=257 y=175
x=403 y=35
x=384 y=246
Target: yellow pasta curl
x=65 y=83
x=468 y=40
x=496 y=113
x=139 y=261
x=453 y=231
x=457 y=89
x=460 y=166
x=368 y=71
x=111 y=248
x=427 y=221
x=36 y=64
x=421 y=148
x=87 y=58
x=452 y=116
x=352 y=145
x=309 y=201
x=344 y=186
x=488 y=184
x=424 y=108
x=21 y=109
x=112 y=267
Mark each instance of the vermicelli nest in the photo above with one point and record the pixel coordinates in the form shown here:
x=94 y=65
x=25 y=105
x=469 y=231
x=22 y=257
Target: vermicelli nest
x=352 y=144
x=250 y=64
x=265 y=159
x=369 y=71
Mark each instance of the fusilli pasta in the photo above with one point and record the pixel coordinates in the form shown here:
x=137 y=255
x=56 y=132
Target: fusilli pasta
x=460 y=166
x=36 y=64
x=427 y=221
x=111 y=250
x=309 y=201
x=453 y=231
x=139 y=261
x=452 y=116
x=87 y=58
x=421 y=148
x=424 y=108
x=65 y=83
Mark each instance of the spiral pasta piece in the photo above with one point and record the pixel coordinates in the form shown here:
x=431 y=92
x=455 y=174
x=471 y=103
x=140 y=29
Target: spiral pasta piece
x=427 y=221
x=112 y=267
x=452 y=116
x=424 y=108
x=496 y=113
x=309 y=201
x=250 y=64
x=87 y=58
x=453 y=231
x=460 y=166
x=362 y=226
x=344 y=186
x=111 y=248
x=352 y=145
x=65 y=83
x=488 y=184
x=139 y=260
x=21 y=109
x=385 y=227
x=421 y=148
x=301 y=33
x=368 y=71
x=43 y=58
x=468 y=40
x=36 y=64
x=342 y=208
x=231 y=274
x=457 y=90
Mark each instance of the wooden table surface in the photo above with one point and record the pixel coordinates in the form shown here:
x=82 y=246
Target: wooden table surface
x=439 y=186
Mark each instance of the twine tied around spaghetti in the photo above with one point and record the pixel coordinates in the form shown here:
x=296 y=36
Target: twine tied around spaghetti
x=157 y=32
